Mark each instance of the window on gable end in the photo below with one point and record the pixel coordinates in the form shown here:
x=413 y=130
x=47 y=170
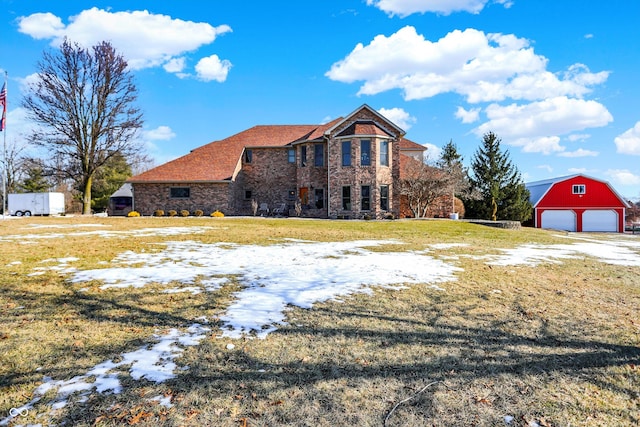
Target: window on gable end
x=579 y=189
x=248 y=155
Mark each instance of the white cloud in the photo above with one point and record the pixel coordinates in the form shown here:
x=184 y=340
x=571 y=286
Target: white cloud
x=445 y=7
x=41 y=25
x=548 y=168
x=468 y=116
x=144 y=39
x=398 y=116
x=536 y=126
x=432 y=154
x=578 y=170
x=580 y=152
x=623 y=177
x=161 y=133
x=212 y=68
x=175 y=65
x=629 y=141
x=578 y=137
x=479 y=66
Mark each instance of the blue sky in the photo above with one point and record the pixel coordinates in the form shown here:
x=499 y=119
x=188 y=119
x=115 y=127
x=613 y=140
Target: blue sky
x=557 y=81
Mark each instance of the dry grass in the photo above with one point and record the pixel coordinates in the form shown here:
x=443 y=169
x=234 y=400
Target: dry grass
x=557 y=344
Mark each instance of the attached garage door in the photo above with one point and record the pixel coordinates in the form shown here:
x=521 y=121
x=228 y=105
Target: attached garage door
x=596 y=220
x=559 y=220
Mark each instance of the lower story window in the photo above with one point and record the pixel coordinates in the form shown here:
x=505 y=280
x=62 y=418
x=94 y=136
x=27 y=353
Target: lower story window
x=180 y=192
x=384 y=197
x=346 y=198
x=365 y=198
x=319 y=192
x=247 y=194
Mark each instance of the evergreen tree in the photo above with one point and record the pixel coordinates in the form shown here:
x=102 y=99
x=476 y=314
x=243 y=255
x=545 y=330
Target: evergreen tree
x=108 y=180
x=458 y=183
x=503 y=195
x=35 y=181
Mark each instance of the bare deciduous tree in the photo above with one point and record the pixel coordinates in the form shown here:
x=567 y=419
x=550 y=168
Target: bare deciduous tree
x=83 y=102
x=422 y=185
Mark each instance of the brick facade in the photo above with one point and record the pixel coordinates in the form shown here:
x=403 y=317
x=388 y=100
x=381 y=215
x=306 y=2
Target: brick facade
x=207 y=197
x=281 y=165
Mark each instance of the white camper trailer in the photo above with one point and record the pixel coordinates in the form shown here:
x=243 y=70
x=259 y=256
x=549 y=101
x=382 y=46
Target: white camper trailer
x=27 y=204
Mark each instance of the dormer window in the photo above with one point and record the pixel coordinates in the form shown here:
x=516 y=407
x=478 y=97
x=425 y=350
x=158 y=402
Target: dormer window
x=579 y=189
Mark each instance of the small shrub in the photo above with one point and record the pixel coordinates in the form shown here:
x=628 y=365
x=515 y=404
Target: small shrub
x=158 y=212
x=173 y=213
x=184 y=212
x=198 y=212
x=217 y=214
x=133 y=214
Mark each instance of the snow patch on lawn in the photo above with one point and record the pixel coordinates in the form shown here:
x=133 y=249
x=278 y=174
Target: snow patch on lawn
x=142 y=232
x=615 y=251
x=275 y=276
x=153 y=363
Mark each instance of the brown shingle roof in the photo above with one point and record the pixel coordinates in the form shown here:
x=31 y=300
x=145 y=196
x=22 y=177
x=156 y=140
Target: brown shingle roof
x=407 y=144
x=218 y=160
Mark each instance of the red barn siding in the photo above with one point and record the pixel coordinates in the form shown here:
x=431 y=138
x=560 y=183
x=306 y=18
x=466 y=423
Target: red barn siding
x=598 y=196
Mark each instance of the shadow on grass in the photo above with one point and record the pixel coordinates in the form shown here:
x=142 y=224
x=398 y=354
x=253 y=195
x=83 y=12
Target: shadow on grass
x=454 y=353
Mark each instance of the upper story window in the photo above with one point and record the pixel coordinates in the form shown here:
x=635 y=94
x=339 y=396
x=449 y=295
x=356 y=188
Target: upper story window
x=346 y=153
x=303 y=155
x=384 y=153
x=579 y=189
x=318 y=155
x=291 y=155
x=180 y=192
x=365 y=152
x=248 y=156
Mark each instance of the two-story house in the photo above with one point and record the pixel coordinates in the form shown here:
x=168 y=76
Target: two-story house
x=347 y=168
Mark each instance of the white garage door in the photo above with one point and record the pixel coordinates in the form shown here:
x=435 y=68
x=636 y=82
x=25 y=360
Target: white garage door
x=559 y=220
x=596 y=220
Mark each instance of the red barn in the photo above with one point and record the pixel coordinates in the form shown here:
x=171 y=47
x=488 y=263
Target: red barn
x=577 y=203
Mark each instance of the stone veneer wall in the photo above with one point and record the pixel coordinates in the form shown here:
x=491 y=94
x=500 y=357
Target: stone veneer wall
x=206 y=196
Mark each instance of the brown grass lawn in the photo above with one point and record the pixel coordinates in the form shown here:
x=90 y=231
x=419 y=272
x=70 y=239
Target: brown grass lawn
x=556 y=344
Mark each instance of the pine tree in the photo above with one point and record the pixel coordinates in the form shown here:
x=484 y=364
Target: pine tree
x=458 y=182
x=503 y=195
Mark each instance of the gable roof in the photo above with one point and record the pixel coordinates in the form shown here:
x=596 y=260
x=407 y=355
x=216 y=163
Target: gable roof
x=217 y=161
x=539 y=189
x=378 y=131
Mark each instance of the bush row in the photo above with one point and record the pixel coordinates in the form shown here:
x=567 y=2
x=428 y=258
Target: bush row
x=183 y=213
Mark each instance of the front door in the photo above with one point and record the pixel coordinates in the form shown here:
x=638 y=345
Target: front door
x=304 y=196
